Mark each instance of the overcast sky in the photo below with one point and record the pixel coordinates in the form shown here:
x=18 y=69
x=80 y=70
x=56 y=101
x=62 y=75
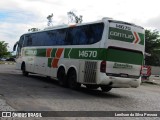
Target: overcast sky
x=17 y=16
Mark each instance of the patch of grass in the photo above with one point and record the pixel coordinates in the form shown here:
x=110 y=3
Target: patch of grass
x=7 y=62
x=1 y=62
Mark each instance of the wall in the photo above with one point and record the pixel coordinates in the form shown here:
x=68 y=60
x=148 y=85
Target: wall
x=155 y=70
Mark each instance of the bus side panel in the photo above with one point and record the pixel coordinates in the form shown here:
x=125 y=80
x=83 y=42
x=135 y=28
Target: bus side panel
x=18 y=63
x=81 y=70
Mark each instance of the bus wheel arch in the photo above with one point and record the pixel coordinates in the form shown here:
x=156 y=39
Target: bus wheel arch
x=62 y=77
x=72 y=78
x=23 y=68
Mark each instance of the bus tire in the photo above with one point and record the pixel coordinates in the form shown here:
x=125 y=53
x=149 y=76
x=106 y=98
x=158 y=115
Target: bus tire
x=62 y=77
x=24 y=72
x=92 y=86
x=48 y=77
x=72 y=79
x=106 y=88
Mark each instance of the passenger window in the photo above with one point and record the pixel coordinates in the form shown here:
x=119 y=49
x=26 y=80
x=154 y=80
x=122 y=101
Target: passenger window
x=84 y=35
x=60 y=36
x=29 y=41
x=20 y=43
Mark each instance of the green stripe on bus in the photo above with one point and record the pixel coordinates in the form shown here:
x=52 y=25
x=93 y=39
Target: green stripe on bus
x=50 y=62
x=53 y=52
x=41 y=52
x=66 y=52
x=85 y=53
x=122 y=56
x=113 y=55
x=142 y=38
x=30 y=52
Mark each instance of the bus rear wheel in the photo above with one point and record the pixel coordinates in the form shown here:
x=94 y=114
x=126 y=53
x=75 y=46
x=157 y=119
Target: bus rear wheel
x=106 y=88
x=24 y=72
x=62 y=77
x=72 y=80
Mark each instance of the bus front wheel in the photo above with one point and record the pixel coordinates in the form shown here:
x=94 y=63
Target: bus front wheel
x=24 y=72
x=72 y=80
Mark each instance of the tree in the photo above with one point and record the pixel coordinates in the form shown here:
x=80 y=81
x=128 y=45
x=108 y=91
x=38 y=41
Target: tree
x=152 y=46
x=49 y=17
x=74 y=17
x=3 y=49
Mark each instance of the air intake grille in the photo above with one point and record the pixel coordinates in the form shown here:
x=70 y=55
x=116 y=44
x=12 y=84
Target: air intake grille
x=90 y=72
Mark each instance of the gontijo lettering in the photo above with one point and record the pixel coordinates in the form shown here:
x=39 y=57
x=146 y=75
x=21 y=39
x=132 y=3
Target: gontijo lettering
x=122 y=35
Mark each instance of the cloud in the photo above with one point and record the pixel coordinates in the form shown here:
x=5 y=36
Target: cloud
x=153 y=23
x=10 y=33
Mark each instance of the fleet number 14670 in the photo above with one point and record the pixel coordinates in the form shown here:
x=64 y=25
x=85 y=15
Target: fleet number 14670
x=88 y=53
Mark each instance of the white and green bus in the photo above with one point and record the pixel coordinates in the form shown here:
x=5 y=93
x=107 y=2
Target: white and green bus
x=106 y=54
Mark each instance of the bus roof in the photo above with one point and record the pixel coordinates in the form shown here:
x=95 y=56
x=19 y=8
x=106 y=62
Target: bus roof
x=63 y=26
x=122 y=22
x=79 y=24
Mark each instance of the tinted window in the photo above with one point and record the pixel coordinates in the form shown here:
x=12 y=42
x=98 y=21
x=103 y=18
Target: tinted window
x=31 y=40
x=80 y=35
x=96 y=32
x=83 y=35
x=20 y=43
x=51 y=38
x=36 y=41
x=45 y=38
x=60 y=36
x=77 y=36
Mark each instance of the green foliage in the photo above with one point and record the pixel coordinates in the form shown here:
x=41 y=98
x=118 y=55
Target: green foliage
x=152 y=47
x=3 y=49
x=72 y=15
